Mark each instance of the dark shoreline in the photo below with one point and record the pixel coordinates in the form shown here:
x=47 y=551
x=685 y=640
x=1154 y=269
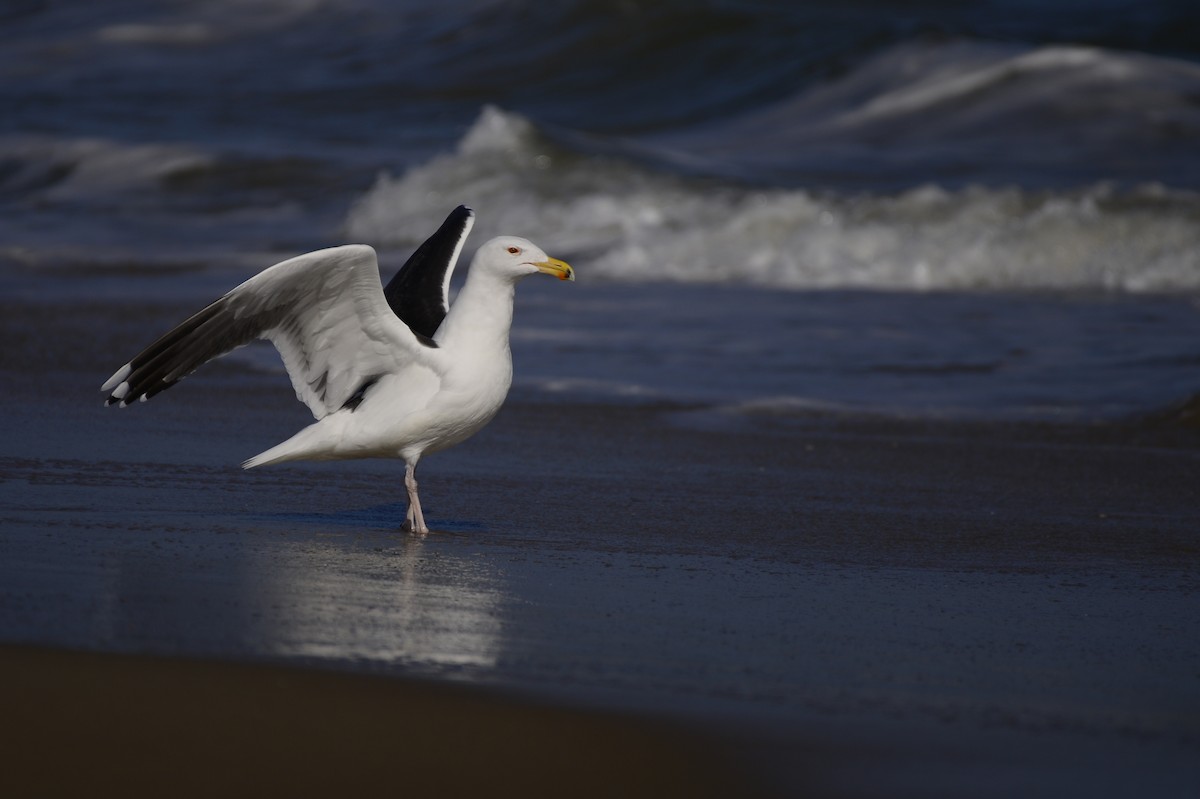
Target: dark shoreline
x=108 y=724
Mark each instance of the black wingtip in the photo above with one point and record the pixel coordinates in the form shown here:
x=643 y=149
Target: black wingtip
x=454 y=228
x=417 y=294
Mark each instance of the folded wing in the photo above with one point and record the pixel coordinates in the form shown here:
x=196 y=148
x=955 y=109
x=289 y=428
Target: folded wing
x=325 y=312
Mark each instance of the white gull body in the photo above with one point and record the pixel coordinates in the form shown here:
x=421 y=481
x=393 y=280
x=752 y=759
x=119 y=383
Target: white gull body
x=377 y=386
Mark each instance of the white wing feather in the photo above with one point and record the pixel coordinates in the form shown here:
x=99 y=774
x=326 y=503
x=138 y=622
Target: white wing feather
x=324 y=311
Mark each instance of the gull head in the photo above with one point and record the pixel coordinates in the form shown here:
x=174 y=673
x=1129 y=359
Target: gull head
x=515 y=258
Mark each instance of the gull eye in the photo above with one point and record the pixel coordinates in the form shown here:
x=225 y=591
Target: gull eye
x=514 y=250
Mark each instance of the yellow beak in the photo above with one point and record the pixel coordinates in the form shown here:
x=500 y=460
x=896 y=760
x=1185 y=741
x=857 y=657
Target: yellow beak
x=560 y=269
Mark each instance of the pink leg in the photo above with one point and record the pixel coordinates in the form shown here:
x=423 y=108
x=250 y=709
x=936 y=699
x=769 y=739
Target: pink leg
x=414 y=522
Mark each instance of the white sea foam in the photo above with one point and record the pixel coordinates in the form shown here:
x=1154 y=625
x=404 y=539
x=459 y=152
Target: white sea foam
x=627 y=222
x=182 y=33
x=55 y=169
x=965 y=110
x=198 y=23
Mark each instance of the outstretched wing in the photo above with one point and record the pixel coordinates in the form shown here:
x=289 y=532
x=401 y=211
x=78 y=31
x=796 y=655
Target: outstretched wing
x=326 y=314
x=420 y=292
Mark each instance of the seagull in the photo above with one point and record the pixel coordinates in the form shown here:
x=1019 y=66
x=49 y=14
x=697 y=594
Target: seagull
x=390 y=372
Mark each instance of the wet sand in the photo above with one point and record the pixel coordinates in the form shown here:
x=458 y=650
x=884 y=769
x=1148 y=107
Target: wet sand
x=846 y=606
x=114 y=725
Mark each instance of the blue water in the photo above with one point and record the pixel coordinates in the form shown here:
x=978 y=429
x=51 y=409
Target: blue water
x=917 y=172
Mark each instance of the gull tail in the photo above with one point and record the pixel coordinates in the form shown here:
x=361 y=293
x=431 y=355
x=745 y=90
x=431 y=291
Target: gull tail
x=311 y=443
x=276 y=454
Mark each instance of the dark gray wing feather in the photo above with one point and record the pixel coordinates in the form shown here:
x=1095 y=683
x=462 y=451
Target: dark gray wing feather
x=419 y=293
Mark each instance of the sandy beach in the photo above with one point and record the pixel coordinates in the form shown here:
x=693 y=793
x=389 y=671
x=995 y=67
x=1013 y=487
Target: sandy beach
x=657 y=594
x=112 y=725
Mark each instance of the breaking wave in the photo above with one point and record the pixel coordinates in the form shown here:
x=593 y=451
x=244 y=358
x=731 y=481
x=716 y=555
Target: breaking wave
x=625 y=220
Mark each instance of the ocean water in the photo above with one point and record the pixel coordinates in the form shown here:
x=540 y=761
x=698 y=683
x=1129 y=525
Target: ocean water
x=986 y=210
